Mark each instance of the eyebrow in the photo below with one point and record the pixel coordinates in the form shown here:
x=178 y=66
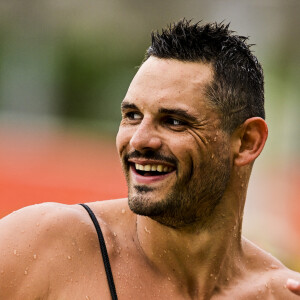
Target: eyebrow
x=178 y=112
x=128 y=105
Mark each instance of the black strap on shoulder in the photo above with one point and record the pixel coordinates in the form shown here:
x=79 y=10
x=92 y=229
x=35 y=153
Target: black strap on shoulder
x=104 y=253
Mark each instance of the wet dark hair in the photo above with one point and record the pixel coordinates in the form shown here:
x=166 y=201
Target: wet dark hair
x=237 y=89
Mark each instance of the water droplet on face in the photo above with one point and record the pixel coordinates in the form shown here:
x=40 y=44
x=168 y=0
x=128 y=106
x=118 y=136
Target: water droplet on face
x=115 y=234
x=123 y=211
x=34 y=256
x=169 y=278
x=26 y=272
x=15 y=252
x=69 y=257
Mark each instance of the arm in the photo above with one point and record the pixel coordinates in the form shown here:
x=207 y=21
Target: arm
x=41 y=248
x=20 y=259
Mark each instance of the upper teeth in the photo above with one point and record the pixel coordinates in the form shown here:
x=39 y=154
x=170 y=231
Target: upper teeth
x=159 y=168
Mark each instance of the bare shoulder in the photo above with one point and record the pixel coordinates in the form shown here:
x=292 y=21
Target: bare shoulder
x=278 y=283
x=37 y=243
x=114 y=215
x=268 y=274
x=39 y=220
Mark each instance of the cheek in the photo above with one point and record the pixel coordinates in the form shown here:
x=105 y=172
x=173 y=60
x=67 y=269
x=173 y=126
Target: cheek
x=197 y=141
x=186 y=149
x=122 y=139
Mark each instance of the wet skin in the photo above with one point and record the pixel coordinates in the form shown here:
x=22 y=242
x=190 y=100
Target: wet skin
x=188 y=247
x=165 y=112
x=62 y=259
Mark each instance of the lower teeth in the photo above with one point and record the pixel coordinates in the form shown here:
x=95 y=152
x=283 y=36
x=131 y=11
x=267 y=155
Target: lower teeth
x=154 y=173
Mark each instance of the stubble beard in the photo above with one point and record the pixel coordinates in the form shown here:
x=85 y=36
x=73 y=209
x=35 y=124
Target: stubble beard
x=191 y=200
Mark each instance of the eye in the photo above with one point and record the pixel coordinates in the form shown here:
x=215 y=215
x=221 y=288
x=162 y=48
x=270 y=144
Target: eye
x=174 y=122
x=132 y=115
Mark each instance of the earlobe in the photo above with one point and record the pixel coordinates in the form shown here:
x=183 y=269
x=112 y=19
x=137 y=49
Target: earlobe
x=253 y=135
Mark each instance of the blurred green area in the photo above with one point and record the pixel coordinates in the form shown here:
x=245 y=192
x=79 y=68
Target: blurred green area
x=94 y=79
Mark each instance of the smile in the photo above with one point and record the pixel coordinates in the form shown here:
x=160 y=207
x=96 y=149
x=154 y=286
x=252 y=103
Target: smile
x=147 y=172
x=152 y=169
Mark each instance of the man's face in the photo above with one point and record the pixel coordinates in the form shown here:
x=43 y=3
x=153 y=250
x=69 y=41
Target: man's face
x=175 y=155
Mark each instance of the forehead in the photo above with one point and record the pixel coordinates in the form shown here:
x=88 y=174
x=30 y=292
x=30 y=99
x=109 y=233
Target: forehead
x=170 y=82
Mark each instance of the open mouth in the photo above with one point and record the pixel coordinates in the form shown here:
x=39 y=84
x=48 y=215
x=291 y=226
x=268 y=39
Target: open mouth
x=152 y=169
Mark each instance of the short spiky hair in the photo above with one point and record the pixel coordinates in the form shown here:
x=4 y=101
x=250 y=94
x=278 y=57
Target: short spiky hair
x=238 y=86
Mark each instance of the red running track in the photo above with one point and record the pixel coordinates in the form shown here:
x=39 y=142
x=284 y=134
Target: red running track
x=41 y=165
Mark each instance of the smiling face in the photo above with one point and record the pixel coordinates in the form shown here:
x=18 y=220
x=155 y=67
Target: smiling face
x=174 y=153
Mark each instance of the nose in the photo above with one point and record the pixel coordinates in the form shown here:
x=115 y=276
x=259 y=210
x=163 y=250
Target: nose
x=146 y=137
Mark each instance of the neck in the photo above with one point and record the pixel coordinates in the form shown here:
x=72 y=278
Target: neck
x=198 y=260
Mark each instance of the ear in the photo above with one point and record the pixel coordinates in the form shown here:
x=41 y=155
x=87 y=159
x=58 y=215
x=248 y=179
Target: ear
x=251 y=138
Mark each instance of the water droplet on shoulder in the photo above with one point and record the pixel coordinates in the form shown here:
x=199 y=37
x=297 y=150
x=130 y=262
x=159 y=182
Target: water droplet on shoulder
x=274 y=267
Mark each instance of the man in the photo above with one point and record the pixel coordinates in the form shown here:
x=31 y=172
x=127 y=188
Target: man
x=192 y=126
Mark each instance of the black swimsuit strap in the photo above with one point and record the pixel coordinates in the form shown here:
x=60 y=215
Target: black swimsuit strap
x=104 y=253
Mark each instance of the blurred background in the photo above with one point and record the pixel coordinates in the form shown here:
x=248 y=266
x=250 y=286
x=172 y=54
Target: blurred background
x=65 y=67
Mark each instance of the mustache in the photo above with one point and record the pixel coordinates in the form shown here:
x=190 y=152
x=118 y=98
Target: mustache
x=150 y=154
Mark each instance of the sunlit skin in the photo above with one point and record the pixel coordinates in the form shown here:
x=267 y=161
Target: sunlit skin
x=190 y=244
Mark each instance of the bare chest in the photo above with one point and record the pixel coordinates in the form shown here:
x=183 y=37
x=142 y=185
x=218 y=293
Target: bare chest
x=135 y=280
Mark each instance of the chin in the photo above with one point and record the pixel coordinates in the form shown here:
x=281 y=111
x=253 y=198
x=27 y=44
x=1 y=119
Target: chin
x=145 y=205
